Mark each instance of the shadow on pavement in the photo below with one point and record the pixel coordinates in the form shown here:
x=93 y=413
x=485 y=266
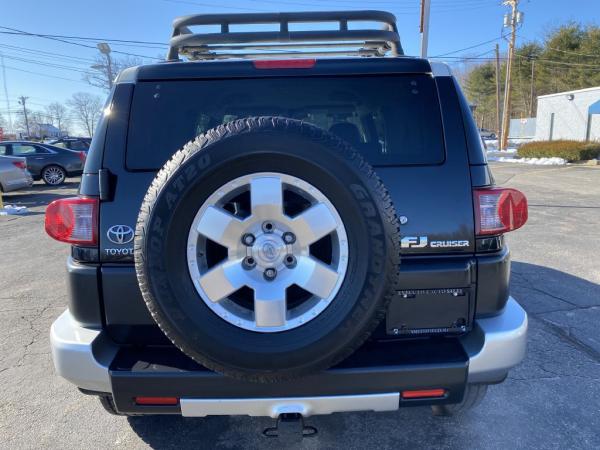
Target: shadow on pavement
x=543 y=289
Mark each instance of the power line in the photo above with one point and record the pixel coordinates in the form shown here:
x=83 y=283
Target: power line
x=43 y=63
x=49 y=54
x=27 y=33
x=45 y=75
x=470 y=47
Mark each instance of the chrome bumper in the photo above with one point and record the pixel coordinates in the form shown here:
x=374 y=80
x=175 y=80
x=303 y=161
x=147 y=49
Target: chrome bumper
x=82 y=356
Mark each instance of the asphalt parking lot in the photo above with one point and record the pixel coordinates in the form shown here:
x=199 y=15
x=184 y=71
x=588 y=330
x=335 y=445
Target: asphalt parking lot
x=552 y=400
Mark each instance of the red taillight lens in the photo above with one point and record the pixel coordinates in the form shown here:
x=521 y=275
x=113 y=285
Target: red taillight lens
x=285 y=63
x=499 y=210
x=73 y=220
x=20 y=164
x=157 y=401
x=82 y=156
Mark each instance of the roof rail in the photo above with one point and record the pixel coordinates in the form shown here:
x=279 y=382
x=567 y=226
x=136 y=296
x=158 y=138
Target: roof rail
x=301 y=43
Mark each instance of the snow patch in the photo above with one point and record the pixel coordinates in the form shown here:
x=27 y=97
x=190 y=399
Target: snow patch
x=11 y=210
x=554 y=161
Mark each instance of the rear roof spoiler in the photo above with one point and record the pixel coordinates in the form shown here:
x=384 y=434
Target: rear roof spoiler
x=365 y=41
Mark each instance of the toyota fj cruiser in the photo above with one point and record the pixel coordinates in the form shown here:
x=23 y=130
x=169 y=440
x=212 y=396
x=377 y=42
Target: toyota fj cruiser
x=309 y=234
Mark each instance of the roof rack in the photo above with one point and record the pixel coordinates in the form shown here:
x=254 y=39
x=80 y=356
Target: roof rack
x=301 y=43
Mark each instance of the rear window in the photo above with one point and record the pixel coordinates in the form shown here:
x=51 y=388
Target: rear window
x=391 y=120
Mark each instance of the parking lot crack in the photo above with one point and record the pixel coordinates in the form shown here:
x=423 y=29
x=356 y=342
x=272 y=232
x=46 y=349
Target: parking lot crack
x=565 y=335
x=529 y=285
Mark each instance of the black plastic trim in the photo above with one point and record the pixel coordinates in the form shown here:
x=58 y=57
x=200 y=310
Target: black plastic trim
x=374 y=368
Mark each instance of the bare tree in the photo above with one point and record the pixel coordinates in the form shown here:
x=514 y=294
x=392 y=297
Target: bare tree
x=87 y=109
x=37 y=120
x=58 y=116
x=101 y=73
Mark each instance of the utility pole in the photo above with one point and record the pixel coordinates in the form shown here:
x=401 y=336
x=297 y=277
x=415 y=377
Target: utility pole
x=498 y=123
x=510 y=21
x=424 y=26
x=10 y=123
x=22 y=101
x=532 y=87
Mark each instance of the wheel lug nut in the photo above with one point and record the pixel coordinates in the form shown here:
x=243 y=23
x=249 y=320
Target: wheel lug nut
x=268 y=227
x=248 y=239
x=289 y=238
x=249 y=263
x=290 y=261
x=270 y=274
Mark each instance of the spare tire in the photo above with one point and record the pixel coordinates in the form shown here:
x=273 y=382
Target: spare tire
x=267 y=249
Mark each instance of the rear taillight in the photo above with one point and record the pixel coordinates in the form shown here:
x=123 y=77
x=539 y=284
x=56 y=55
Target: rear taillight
x=284 y=63
x=20 y=164
x=499 y=210
x=73 y=220
x=82 y=156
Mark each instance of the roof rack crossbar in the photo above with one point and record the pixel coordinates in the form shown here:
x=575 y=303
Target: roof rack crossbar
x=370 y=42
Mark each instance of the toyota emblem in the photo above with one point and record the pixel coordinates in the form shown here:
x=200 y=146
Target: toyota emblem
x=120 y=234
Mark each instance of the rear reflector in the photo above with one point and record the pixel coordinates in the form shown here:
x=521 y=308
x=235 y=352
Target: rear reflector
x=156 y=401
x=499 y=210
x=424 y=393
x=20 y=164
x=285 y=63
x=73 y=220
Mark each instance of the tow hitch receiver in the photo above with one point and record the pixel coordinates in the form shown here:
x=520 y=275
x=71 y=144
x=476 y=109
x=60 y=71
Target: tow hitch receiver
x=290 y=427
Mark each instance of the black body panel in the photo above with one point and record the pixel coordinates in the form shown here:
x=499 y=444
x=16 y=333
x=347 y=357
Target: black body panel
x=129 y=322
x=493 y=274
x=84 y=293
x=243 y=69
x=374 y=368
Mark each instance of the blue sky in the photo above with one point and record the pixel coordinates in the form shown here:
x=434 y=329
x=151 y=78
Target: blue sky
x=455 y=25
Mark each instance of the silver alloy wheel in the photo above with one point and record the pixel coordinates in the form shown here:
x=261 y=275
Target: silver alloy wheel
x=54 y=175
x=275 y=261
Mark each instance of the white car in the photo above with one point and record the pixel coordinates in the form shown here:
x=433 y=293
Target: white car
x=14 y=174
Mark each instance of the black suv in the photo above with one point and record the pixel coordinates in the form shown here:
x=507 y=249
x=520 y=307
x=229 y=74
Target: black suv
x=290 y=236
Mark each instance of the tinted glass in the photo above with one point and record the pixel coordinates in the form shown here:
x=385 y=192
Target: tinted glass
x=392 y=120
x=78 y=145
x=23 y=149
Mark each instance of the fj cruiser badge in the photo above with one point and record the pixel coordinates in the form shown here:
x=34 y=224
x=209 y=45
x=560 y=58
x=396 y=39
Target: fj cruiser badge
x=423 y=241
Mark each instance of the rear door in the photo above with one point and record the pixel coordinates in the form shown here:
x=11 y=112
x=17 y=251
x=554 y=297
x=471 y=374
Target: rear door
x=408 y=126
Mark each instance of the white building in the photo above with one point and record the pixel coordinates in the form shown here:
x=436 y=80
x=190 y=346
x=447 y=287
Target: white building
x=573 y=115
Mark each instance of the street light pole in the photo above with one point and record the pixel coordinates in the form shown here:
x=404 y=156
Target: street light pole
x=22 y=101
x=105 y=50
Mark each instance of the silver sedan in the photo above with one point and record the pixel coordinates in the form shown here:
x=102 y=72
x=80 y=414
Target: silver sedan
x=14 y=174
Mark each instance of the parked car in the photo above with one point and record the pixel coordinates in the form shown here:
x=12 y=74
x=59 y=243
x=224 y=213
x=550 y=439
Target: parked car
x=72 y=143
x=487 y=134
x=287 y=237
x=14 y=174
x=47 y=162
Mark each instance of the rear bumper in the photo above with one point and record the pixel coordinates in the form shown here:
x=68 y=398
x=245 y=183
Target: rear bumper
x=371 y=379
